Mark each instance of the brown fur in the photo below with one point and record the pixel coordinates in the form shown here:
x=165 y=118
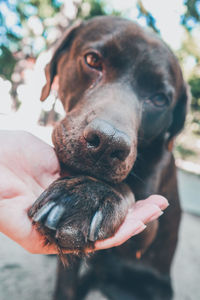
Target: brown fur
x=120 y=119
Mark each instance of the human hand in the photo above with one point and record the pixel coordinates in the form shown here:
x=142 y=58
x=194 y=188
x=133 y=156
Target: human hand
x=27 y=167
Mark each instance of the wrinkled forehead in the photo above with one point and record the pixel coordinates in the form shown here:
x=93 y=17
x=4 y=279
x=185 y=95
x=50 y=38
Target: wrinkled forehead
x=129 y=48
x=126 y=42
x=118 y=35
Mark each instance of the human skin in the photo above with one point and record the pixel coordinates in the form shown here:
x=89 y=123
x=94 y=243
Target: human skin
x=27 y=167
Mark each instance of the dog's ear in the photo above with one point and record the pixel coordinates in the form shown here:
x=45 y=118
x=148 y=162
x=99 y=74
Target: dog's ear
x=179 y=113
x=51 y=67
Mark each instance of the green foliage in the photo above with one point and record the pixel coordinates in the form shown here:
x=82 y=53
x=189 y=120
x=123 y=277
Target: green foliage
x=92 y=8
x=45 y=8
x=12 y=34
x=183 y=152
x=14 y=40
x=7 y=62
x=150 y=20
x=192 y=14
x=194 y=83
x=190 y=48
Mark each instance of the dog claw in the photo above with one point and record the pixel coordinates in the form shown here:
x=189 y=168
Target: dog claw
x=94 y=226
x=54 y=217
x=43 y=212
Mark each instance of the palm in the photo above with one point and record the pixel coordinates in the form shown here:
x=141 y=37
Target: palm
x=27 y=167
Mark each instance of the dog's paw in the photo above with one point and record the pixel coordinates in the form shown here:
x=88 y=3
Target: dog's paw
x=75 y=212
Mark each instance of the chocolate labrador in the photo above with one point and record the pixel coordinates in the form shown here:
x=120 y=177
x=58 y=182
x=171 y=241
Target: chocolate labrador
x=125 y=101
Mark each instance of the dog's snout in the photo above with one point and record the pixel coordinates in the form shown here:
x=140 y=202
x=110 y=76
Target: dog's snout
x=102 y=138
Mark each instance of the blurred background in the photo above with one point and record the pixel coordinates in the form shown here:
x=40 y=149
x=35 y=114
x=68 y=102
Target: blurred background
x=28 y=31
x=30 y=27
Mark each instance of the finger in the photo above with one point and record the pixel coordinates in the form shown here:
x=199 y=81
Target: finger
x=149 y=209
x=37 y=243
x=141 y=212
x=125 y=232
x=145 y=213
x=157 y=200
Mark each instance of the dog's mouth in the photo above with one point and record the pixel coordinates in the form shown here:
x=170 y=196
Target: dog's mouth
x=76 y=160
x=73 y=169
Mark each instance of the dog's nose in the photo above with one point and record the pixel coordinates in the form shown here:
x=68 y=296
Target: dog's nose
x=103 y=139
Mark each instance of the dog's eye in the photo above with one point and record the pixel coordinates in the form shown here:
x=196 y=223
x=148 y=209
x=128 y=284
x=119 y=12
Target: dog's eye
x=159 y=100
x=94 y=61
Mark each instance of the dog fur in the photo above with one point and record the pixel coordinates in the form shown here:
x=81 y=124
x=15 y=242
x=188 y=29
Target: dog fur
x=125 y=100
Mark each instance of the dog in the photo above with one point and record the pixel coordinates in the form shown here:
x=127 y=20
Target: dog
x=125 y=100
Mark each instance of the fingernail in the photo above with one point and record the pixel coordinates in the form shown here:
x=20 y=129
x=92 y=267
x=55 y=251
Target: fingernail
x=155 y=216
x=140 y=229
x=164 y=207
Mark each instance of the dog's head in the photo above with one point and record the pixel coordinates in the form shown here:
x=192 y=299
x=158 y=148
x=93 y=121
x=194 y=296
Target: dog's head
x=121 y=87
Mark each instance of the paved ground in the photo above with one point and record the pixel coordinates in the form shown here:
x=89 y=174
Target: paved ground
x=32 y=277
